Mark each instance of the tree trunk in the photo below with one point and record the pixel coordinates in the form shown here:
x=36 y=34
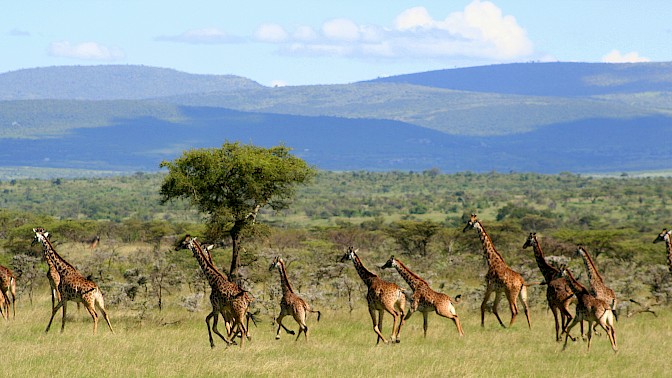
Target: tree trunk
x=235 y=256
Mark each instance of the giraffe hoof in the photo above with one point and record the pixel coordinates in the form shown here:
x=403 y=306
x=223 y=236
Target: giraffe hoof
x=277 y=337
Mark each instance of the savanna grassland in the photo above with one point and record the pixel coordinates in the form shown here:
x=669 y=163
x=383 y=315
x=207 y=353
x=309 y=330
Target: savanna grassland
x=174 y=343
x=158 y=299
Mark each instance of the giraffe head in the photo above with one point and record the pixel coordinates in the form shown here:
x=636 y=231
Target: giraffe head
x=275 y=264
x=41 y=235
x=188 y=242
x=663 y=236
x=580 y=251
x=184 y=243
x=350 y=254
x=531 y=240
x=391 y=263
x=471 y=223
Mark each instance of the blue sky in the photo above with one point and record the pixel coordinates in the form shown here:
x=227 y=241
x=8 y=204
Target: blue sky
x=294 y=42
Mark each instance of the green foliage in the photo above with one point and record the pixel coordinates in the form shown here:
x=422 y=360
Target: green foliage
x=233 y=183
x=413 y=237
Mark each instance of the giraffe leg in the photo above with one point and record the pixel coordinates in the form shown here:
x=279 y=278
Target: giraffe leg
x=280 y=325
x=399 y=311
x=568 y=329
x=13 y=292
x=65 y=309
x=448 y=311
x=376 y=322
x=523 y=299
x=513 y=306
x=566 y=317
x=611 y=332
x=100 y=303
x=207 y=323
x=558 y=334
x=215 y=322
x=590 y=334
x=495 y=306
x=90 y=307
x=300 y=318
x=54 y=310
x=424 y=323
x=484 y=304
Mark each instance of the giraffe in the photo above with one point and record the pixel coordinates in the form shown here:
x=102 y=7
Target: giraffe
x=597 y=287
x=8 y=287
x=381 y=296
x=291 y=303
x=665 y=236
x=558 y=293
x=73 y=286
x=226 y=297
x=590 y=309
x=424 y=298
x=500 y=278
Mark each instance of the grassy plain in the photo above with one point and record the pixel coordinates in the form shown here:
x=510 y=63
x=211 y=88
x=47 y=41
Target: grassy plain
x=174 y=343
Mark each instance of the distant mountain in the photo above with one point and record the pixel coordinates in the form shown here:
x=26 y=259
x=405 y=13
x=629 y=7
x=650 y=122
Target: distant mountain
x=538 y=117
x=113 y=82
x=548 y=79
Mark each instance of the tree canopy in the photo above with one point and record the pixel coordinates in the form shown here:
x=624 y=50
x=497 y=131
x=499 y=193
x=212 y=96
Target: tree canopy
x=232 y=183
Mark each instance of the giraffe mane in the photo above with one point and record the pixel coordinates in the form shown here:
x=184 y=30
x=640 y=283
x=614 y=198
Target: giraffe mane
x=410 y=272
x=53 y=250
x=589 y=260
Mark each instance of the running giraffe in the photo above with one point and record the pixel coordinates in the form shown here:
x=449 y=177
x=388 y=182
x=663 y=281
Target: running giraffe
x=590 y=309
x=73 y=286
x=226 y=297
x=558 y=292
x=500 y=278
x=8 y=287
x=424 y=298
x=597 y=286
x=665 y=236
x=291 y=303
x=381 y=296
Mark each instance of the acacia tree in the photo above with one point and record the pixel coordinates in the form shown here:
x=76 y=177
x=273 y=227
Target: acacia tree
x=232 y=183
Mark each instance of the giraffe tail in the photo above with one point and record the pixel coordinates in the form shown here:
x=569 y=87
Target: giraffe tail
x=457 y=299
x=253 y=316
x=535 y=283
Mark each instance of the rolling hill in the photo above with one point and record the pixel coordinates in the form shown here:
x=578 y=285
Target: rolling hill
x=540 y=117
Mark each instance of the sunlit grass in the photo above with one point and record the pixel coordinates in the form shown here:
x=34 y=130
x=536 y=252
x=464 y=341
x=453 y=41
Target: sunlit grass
x=174 y=343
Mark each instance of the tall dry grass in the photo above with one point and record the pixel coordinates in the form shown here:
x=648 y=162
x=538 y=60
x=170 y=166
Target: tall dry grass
x=174 y=343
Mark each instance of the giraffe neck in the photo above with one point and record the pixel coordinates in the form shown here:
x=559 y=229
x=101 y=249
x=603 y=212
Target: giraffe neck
x=575 y=285
x=547 y=270
x=211 y=273
x=593 y=275
x=668 y=244
x=286 y=286
x=366 y=275
x=411 y=278
x=55 y=260
x=492 y=256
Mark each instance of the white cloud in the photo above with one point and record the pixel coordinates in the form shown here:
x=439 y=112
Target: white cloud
x=273 y=33
x=480 y=31
x=86 y=50
x=201 y=36
x=616 y=56
x=413 y=18
x=341 y=29
x=305 y=33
